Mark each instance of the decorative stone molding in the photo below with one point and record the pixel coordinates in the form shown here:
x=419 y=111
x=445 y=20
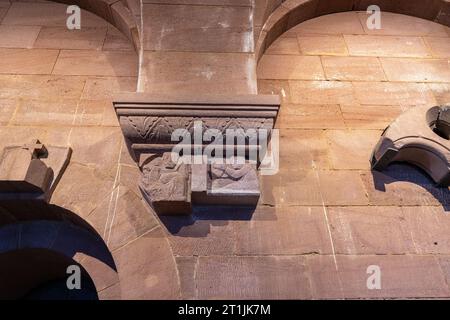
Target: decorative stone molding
x=419 y=136
x=148 y=123
x=31 y=171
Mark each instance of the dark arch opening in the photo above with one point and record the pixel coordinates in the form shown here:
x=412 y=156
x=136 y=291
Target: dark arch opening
x=35 y=255
x=41 y=274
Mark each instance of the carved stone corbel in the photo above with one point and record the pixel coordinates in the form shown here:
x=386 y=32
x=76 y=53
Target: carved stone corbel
x=149 y=124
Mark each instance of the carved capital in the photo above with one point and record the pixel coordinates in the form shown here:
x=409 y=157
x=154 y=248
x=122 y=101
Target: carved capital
x=151 y=126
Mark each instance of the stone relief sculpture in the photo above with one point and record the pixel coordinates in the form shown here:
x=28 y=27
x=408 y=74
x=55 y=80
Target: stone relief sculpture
x=233 y=177
x=228 y=180
x=172 y=187
x=164 y=181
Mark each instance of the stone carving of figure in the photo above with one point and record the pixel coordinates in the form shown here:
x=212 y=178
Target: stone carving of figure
x=164 y=180
x=234 y=178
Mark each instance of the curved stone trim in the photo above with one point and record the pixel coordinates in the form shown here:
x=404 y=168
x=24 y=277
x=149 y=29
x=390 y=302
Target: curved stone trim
x=417 y=137
x=113 y=11
x=292 y=12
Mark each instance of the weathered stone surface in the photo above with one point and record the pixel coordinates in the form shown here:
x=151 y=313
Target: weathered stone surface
x=186 y=271
x=287 y=231
x=277 y=87
x=106 y=87
x=311 y=149
x=24 y=61
x=353 y=69
x=252 y=278
x=18 y=36
x=130 y=219
x=322 y=45
x=291 y=187
x=337 y=192
x=370 y=117
x=363 y=45
x=322 y=92
x=147 y=268
x=105 y=63
x=63 y=38
x=370 y=230
x=325 y=279
x=81 y=188
x=425 y=70
x=439 y=46
x=428 y=227
x=40 y=86
x=180 y=27
x=284 y=45
x=402 y=276
x=301 y=68
x=187 y=72
x=392 y=93
x=299 y=116
x=102 y=151
x=351 y=149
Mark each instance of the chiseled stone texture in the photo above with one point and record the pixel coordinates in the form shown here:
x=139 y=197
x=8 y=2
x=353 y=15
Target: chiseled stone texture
x=198 y=46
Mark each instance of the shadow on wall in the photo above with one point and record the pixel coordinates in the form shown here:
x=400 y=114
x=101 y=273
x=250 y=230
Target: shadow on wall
x=35 y=254
x=404 y=172
x=39 y=274
x=199 y=224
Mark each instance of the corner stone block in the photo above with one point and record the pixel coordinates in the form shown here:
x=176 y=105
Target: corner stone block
x=22 y=171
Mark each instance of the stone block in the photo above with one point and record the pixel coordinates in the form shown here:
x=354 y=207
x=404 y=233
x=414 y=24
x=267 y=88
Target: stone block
x=21 y=169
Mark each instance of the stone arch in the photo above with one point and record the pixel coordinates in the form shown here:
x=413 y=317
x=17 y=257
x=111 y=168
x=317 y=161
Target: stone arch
x=116 y=12
x=290 y=13
x=36 y=252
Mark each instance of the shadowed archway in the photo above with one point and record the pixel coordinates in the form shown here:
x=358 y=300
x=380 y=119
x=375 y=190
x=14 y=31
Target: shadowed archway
x=34 y=257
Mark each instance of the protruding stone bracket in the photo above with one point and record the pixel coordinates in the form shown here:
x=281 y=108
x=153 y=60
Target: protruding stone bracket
x=419 y=136
x=31 y=171
x=157 y=127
